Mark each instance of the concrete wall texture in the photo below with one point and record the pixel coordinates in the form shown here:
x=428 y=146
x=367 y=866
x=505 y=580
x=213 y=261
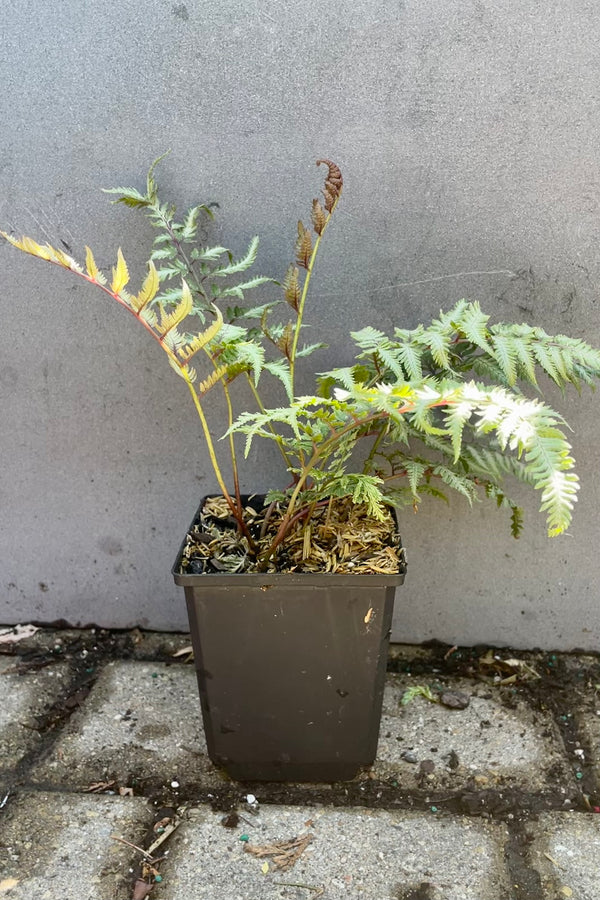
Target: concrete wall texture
x=468 y=133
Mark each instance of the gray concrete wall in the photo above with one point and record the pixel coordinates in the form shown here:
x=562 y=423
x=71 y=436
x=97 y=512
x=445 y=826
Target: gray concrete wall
x=467 y=131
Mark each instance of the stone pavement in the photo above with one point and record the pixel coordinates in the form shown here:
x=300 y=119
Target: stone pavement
x=102 y=756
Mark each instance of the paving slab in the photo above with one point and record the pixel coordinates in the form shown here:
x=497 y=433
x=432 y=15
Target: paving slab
x=141 y=720
x=60 y=846
x=354 y=853
x=484 y=745
x=24 y=698
x=566 y=852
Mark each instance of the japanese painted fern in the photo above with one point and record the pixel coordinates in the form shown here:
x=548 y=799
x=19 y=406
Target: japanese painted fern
x=433 y=408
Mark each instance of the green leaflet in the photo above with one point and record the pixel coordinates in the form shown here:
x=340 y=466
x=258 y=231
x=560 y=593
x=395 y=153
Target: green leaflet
x=280 y=369
x=241 y=264
x=238 y=289
x=414 y=472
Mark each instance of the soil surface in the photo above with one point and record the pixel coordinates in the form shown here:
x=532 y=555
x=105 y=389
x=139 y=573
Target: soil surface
x=335 y=536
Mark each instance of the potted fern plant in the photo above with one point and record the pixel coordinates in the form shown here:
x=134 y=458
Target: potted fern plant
x=290 y=595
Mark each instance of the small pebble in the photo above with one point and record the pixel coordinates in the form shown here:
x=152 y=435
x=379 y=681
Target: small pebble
x=454 y=699
x=250 y=798
x=174 y=784
x=408 y=756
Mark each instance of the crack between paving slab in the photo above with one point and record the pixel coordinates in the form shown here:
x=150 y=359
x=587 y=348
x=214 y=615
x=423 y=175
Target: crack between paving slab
x=504 y=806
x=525 y=880
x=83 y=672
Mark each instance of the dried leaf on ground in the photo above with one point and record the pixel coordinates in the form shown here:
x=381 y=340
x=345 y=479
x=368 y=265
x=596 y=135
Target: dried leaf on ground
x=183 y=652
x=98 y=786
x=283 y=854
x=141 y=889
x=18 y=633
x=514 y=669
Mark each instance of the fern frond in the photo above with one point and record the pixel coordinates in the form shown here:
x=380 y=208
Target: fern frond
x=291 y=288
x=516 y=513
x=237 y=290
x=253 y=312
x=128 y=197
x=410 y=357
x=260 y=424
x=202 y=338
x=389 y=358
x=460 y=483
x=214 y=378
x=473 y=324
x=303 y=248
x=285 y=340
x=148 y=291
x=333 y=184
x=148 y=315
x=249 y=355
x=280 y=368
x=437 y=340
x=173 y=271
x=241 y=264
x=414 y=472
x=173 y=339
x=346 y=375
x=495 y=464
x=92 y=269
x=362 y=488
x=318 y=217
x=307 y=349
x=368 y=338
x=208 y=254
x=151 y=187
x=190 y=223
x=506 y=356
x=490 y=369
x=558 y=499
x=524 y=358
x=516 y=520
x=169 y=321
x=164 y=253
x=188 y=373
x=120 y=274
x=544 y=358
x=45 y=251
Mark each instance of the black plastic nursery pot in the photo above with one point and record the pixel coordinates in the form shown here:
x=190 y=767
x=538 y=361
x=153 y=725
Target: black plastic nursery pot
x=291 y=670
